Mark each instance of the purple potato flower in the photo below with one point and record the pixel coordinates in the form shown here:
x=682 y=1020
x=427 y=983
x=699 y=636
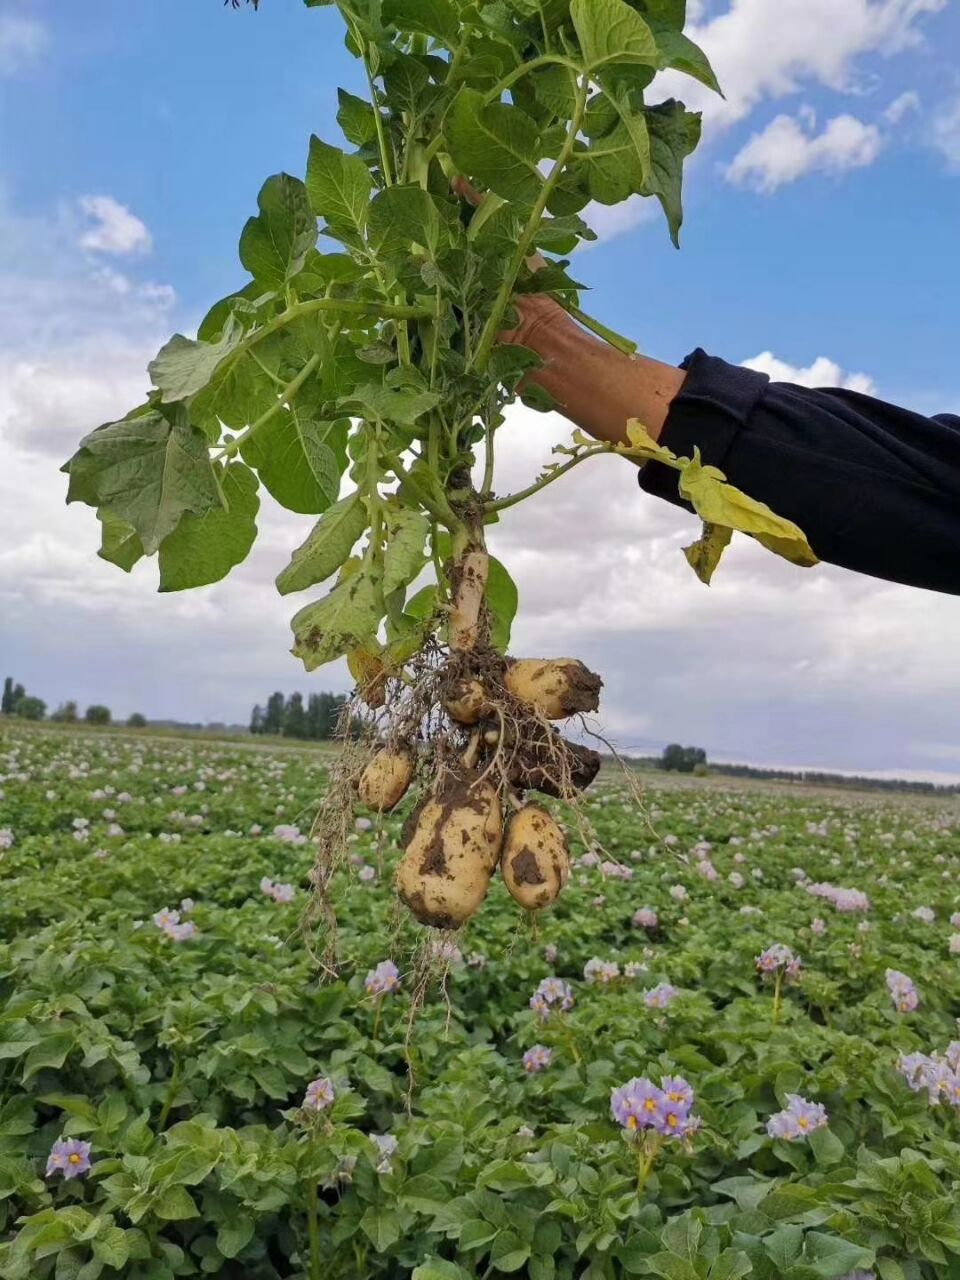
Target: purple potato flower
x=385 y=977
x=537 y=1058
x=798 y=1119
x=69 y=1157
x=634 y=1105
x=660 y=996
x=553 y=995
x=902 y=991
x=320 y=1094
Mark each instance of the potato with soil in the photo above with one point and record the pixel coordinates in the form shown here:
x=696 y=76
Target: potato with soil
x=554 y=766
x=452 y=851
x=558 y=687
x=386 y=779
x=467 y=702
x=535 y=862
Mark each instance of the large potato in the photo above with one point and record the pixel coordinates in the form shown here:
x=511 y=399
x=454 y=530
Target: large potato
x=535 y=862
x=452 y=851
x=385 y=780
x=558 y=687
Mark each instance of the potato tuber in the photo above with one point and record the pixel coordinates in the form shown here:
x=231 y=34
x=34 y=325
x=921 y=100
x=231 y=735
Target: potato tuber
x=535 y=862
x=467 y=702
x=558 y=687
x=386 y=779
x=452 y=851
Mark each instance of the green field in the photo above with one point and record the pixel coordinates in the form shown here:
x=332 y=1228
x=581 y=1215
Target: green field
x=183 y=1054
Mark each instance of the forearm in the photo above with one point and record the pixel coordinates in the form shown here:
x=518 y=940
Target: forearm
x=599 y=388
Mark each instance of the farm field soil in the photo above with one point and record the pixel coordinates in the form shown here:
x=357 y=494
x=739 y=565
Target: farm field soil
x=183 y=1092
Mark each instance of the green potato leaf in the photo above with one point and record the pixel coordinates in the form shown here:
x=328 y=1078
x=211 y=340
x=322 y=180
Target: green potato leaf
x=404 y=556
x=705 y=554
x=437 y=18
x=274 y=245
x=338 y=186
x=498 y=146
x=299 y=461
x=147 y=472
x=346 y=619
x=328 y=546
x=610 y=31
x=183 y=367
x=674 y=134
x=119 y=542
x=203 y=549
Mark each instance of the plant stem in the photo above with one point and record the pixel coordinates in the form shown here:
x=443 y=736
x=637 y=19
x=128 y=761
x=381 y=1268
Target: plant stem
x=525 y=243
x=777 y=992
x=646 y=1160
x=376 y=1020
x=535 y=64
x=269 y=372
x=313 y=1225
x=170 y=1095
x=503 y=503
x=489 y=456
x=610 y=336
x=348 y=306
x=287 y=394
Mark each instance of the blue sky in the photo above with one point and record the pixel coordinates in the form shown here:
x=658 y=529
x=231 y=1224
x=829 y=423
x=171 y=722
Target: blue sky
x=822 y=217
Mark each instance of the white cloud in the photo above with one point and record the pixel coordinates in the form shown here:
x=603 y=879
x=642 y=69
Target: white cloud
x=113 y=228
x=822 y=373
x=22 y=40
x=902 y=106
x=767 y=49
x=610 y=221
x=945 y=135
x=785 y=151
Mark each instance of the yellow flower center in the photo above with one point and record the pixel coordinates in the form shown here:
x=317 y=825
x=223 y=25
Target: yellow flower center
x=649 y=1105
x=74 y=1159
x=672 y=1121
x=631 y=1122
x=803 y=1123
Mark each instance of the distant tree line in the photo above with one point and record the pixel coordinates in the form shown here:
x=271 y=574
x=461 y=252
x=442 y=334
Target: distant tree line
x=15 y=701
x=315 y=720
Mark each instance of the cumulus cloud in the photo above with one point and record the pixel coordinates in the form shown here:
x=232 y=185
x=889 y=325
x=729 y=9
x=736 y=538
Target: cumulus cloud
x=22 y=41
x=610 y=221
x=823 y=372
x=787 y=149
x=112 y=228
x=762 y=50
x=945 y=135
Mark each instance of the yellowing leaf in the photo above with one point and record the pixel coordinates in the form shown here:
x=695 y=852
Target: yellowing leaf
x=719 y=503
x=704 y=555
x=642 y=445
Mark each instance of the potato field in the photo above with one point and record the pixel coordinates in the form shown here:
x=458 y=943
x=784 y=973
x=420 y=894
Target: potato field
x=728 y=1050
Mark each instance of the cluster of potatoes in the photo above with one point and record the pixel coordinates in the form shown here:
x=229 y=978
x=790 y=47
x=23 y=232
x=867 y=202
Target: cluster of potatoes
x=455 y=839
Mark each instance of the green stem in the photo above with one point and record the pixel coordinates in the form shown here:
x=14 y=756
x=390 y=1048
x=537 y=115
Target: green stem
x=548 y=479
x=571 y=1044
x=535 y=64
x=287 y=394
x=525 y=243
x=489 y=456
x=610 y=336
x=645 y=1162
x=313 y=1227
x=376 y=1020
x=170 y=1095
x=347 y=306
x=777 y=993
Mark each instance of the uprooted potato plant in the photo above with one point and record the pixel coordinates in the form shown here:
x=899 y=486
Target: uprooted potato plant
x=363 y=381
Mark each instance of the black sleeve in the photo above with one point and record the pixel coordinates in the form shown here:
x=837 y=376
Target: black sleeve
x=875 y=488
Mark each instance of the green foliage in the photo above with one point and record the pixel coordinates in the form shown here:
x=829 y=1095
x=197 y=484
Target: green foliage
x=369 y=353
x=97 y=714
x=28 y=707
x=184 y=1064
x=677 y=759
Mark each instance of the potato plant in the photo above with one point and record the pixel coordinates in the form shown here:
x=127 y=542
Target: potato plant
x=361 y=378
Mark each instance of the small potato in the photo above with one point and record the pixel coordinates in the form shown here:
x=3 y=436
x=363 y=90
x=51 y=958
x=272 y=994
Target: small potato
x=552 y=761
x=535 y=862
x=386 y=779
x=467 y=703
x=452 y=852
x=558 y=687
